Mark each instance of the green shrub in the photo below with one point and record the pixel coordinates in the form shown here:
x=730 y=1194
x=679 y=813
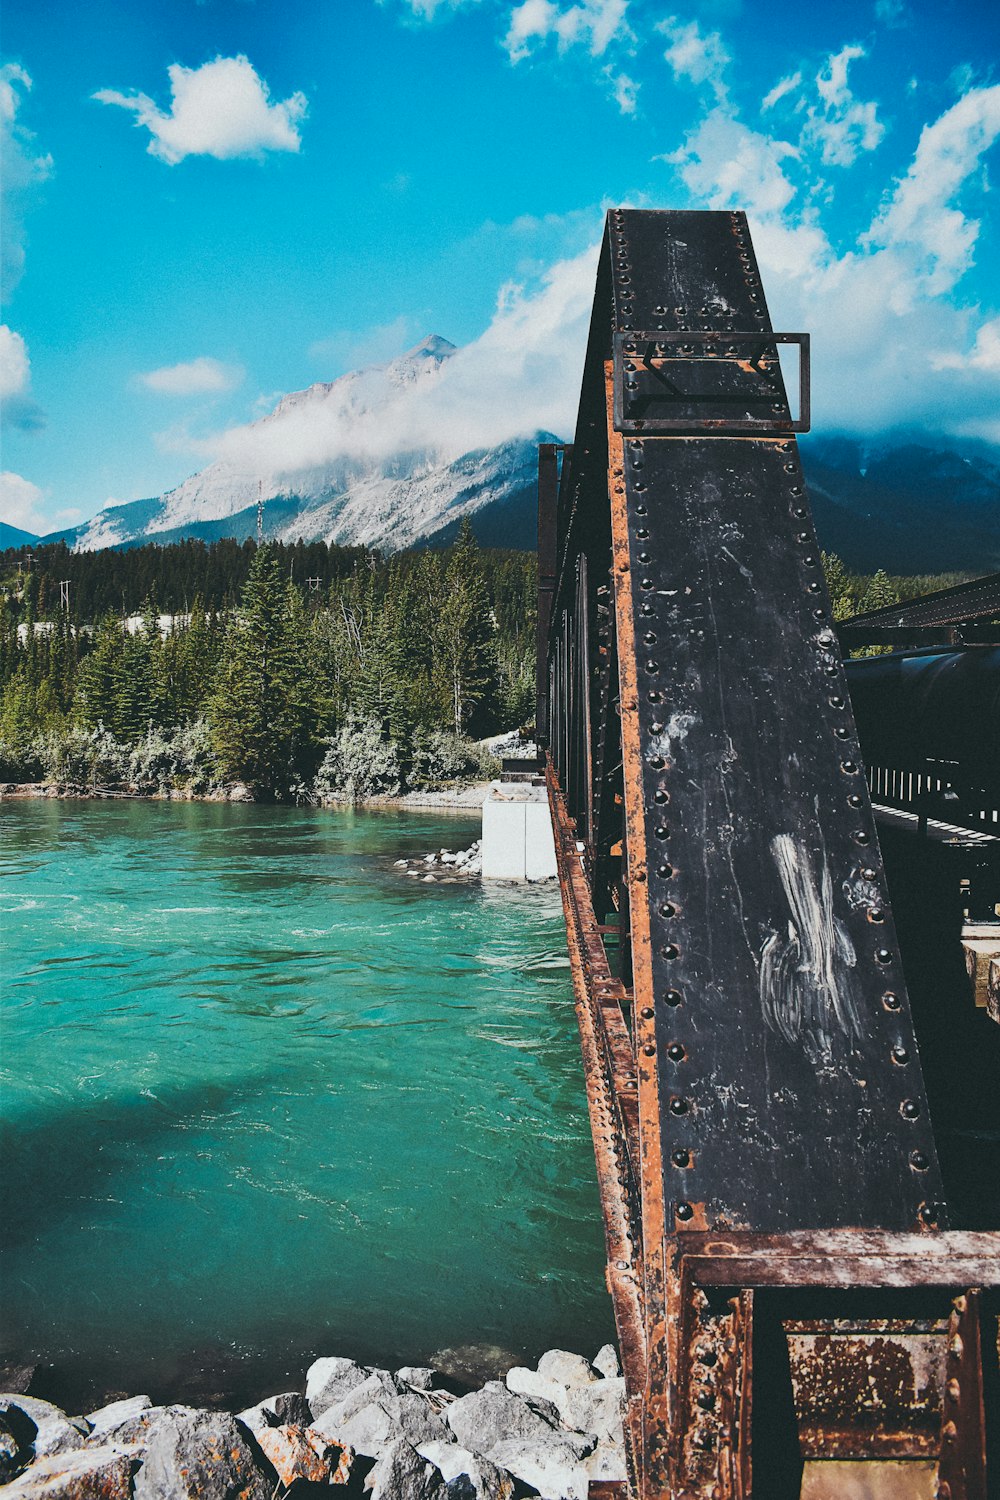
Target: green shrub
x=359 y=763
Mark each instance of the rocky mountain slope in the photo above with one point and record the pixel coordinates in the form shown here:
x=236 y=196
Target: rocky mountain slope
x=384 y=456
x=338 y=463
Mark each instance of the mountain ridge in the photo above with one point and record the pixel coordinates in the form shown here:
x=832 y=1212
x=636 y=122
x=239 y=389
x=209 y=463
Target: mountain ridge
x=376 y=458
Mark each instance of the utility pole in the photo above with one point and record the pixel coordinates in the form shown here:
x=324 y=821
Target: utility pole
x=64 y=594
x=313 y=584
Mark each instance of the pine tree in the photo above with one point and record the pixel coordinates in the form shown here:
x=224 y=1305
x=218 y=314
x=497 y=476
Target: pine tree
x=464 y=632
x=98 y=681
x=839 y=584
x=266 y=711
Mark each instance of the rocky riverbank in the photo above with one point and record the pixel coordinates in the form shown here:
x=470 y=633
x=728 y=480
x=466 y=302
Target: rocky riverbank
x=445 y=865
x=409 y=1434
x=461 y=797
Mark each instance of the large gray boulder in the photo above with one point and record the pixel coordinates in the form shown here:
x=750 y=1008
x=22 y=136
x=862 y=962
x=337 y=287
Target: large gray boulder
x=485 y=1418
x=534 y=1387
x=201 y=1455
x=420 y=1377
x=605 y=1362
x=57 y=1433
x=329 y=1380
x=401 y=1473
x=550 y=1467
x=299 y=1453
x=276 y=1411
x=467 y=1476
x=134 y=1428
x=116 y=1415
x=82 y=1474
x=596 y=1408
x=17 y=1440
x=607 y=1463
x=374 y=1414
x=568 y=1369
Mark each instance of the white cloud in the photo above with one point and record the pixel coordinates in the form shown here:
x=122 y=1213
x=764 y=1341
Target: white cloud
x=16 y=406
x=984 y=355
x=891 y=12
x=842 y=125
x=426 y=10
x=23 y=169
x=20 y=502
x=624 y=89
x=695 y=55
x=24 y=505
x=15 y=367
x=196 y=377
x=221 y=109
x=594 y=24
x=877 y=316
x=520 y=376
x=725 y=164
x=781 y=88
x=920 y=215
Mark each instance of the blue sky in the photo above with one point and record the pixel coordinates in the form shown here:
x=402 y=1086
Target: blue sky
x=210 y=204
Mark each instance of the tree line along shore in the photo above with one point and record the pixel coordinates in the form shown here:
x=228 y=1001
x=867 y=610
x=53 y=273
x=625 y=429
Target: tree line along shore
x=307 y=671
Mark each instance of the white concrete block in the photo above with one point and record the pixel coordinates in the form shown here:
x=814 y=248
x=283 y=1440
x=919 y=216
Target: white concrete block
x=503 y=840
x=539 y=843
x=517 y=834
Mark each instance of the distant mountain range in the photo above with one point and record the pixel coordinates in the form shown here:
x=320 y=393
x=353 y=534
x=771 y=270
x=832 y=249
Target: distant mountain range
x=351 y=462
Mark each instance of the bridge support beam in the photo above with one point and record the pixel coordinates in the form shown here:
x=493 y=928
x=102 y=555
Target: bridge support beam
x=785 y=1282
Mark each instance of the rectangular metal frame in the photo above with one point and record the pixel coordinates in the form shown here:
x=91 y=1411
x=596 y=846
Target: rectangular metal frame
x=709 y=426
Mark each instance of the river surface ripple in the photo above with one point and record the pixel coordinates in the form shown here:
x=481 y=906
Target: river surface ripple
x=266 y=1098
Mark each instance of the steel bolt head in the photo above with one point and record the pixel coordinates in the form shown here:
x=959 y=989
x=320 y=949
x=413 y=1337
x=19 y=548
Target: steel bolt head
x=910 y=1109
x=684 y=1211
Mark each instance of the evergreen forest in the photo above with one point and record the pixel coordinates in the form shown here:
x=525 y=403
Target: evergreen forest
x=296 y=671
x=301 y=671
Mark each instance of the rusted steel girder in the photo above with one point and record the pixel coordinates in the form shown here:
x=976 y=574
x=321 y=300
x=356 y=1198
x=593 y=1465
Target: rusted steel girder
x=786 y=1288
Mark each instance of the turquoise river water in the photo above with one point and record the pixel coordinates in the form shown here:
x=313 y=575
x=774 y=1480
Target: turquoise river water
x=267 y=1098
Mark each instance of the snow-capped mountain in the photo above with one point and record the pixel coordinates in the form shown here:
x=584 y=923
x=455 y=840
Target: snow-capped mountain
x=397 y=454
x=357 y=460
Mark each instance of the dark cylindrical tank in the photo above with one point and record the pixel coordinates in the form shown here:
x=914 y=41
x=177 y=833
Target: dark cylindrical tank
x=931 y=705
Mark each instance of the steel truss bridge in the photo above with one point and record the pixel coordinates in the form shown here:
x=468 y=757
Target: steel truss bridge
x=800 y=1214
